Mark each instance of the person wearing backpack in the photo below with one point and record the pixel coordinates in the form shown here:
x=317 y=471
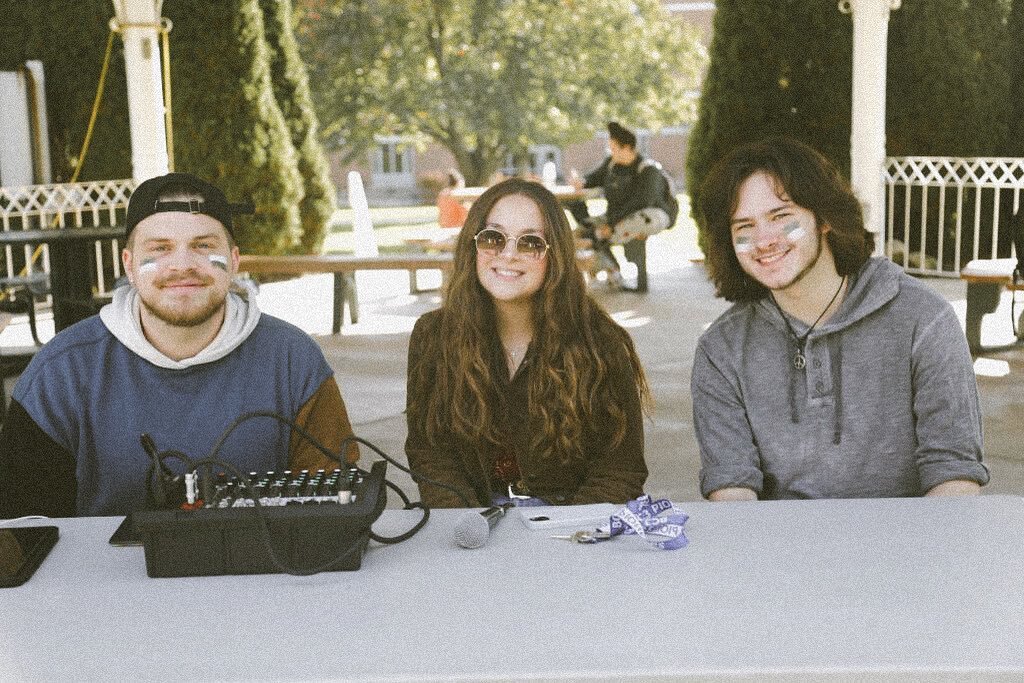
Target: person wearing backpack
x=641 y=202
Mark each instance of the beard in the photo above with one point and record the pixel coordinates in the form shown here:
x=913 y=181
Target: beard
x=178 y=317
x=807 y=268
x=185 y=314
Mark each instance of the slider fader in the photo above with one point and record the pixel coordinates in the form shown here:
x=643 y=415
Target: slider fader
x=319 y=519
x=321 y=487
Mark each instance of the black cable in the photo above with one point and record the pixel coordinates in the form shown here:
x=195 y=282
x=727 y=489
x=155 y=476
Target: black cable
x=158 y=472
x=418 y=478
x=213 y=460
x=390 y=540
x=265 y=527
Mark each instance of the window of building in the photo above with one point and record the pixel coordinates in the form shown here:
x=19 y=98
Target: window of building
x=392 y=163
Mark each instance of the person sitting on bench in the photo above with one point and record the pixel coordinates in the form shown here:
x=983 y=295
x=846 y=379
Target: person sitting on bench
x=640 y=203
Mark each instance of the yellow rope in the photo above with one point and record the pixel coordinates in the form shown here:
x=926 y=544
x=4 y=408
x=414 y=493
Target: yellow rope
x=85 y=147
x=165 y=28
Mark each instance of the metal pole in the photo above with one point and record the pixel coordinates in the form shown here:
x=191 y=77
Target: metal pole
x=867 y=130
x=139 y=22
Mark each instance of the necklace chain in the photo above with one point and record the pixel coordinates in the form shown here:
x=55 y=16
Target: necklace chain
x=515 y=353
x=800 y=360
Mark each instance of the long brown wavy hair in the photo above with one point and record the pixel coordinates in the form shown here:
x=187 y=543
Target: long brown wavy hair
x=570 y=382
x=809 y=179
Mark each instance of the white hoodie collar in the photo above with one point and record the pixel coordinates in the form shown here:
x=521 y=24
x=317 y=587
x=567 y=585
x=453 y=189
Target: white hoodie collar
x=122 y=318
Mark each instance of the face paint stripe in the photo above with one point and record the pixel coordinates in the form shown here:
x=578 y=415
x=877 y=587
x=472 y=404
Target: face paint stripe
x=795 y=231
x=148 y=265
x=219 y=261
x=743 y=244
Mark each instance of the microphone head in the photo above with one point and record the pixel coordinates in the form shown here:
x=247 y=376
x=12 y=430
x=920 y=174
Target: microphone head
x=472 y=530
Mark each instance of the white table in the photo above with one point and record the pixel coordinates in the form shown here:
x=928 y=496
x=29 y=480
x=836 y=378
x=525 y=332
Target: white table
x=845 y=590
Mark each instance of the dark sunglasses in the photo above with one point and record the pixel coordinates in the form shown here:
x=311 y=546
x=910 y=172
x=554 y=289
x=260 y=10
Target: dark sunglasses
x=492 y=241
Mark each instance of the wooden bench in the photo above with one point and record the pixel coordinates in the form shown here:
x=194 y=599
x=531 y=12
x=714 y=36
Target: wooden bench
x=986 y=279
x=343 y=267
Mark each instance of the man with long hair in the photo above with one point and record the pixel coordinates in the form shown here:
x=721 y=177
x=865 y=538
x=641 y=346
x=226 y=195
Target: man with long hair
x=834 y=374
x=520 y=385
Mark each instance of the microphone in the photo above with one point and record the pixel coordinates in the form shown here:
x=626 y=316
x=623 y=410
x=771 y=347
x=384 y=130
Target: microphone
x=474 y=528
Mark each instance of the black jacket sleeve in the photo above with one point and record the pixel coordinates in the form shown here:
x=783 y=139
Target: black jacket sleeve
x=596 y=177
x=37 y=476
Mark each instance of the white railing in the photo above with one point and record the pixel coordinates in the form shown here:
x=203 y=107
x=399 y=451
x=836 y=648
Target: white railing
x=65 y=207
x=944 y=211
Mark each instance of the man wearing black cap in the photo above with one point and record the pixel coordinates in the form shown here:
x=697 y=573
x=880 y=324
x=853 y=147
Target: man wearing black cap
x=178 y=355
x=640 y=203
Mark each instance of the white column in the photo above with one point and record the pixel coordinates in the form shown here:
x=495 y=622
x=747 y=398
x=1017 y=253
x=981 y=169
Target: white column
x=138 y=21
x=867 y=132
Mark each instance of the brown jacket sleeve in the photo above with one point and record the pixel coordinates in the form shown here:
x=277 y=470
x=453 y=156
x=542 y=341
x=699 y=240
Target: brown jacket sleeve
x=440 y=464
x=325 y=418
x=616 y=475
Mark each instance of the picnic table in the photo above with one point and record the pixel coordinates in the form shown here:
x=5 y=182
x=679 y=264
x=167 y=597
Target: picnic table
x=343 y=267
x=564 y=193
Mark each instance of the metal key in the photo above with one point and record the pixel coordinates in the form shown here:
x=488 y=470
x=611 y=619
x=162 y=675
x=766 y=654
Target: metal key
x=585 y=536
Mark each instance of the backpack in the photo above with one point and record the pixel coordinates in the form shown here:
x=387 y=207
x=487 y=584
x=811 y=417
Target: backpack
x=669 y=203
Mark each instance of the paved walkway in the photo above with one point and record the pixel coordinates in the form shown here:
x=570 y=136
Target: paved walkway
x=370 y=359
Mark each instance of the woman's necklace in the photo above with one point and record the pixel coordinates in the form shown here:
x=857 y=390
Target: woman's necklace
x=800 y=360
x=515 y=354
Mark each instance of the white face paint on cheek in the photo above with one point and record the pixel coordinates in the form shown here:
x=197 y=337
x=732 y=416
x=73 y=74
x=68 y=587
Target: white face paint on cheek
x=743 y=244
x=219 y=261
x=148 y=266
x=795 y=231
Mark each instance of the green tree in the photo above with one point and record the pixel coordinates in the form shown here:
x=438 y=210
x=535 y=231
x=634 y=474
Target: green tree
x=487 y=78
x=766 y=77
x=228 y=127
x=947 y=79
x=291 y=89
x=69 y=39
x=946 y=93
x=1015 y=70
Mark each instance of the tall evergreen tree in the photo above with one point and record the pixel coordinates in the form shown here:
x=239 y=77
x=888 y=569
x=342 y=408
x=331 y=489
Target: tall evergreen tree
x=228 y=126
x=946 y=91
x=778 y=67
x=1015 y=69
x=291 y=89
x=947 y=79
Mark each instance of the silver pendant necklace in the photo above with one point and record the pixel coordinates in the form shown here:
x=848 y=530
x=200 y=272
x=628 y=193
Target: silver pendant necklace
x=800 y=359
x=515 y=355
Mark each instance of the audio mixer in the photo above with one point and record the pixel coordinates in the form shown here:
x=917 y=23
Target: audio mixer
x=312 y=520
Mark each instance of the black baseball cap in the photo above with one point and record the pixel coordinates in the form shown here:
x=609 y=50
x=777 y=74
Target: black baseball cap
x=621 y=134
x=145 y=201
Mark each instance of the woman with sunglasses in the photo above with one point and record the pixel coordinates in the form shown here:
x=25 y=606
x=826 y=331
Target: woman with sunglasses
x=521 y=386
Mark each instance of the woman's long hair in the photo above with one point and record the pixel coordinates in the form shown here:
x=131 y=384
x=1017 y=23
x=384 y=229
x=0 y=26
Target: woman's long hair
x=570 y=385
x=809 y=180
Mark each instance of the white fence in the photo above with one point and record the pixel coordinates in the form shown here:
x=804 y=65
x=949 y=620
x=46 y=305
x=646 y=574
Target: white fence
x=942 y=212
x=65 y=207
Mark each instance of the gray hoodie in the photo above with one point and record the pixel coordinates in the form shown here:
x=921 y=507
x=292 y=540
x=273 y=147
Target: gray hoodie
x=121 y=317
x=887 y=405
